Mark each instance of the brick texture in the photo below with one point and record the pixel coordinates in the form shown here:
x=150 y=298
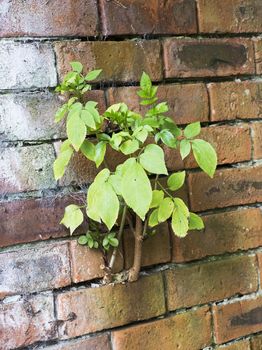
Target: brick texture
x=211 y=281
x=237 y=319
x=258 y=55
x=257 y=139
x=239 y=345
x=24 y=321
x=228 y=187
x=224 y=233
x=152 y=17
x=75 y=18
x=256 y=343
x=100 y=342
x=234 y=16
x=235 y=100
x=120 y=61
x=186 y=58
x=93 y=309
x=189 y=330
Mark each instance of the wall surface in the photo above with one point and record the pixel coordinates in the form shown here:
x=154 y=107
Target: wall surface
x=201 y=292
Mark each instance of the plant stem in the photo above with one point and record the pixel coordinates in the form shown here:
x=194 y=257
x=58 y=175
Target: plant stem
x=135 y=269
x=163 y=188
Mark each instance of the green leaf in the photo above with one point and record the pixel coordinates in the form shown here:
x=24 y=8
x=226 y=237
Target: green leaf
x=180 y=217
x=77 y=66
x=153 y=218
x=168 y=138
x=73 y=217
x=65 y=146
x=93 y=74
x=165 y=209
x=61 y=112
x=76 y=131
x=185 y=148
x=88 y=119
x=158 y=196
x=195 y=222
x=136 y=188
x=145 y=82
x=61 y=162
x=192 y=130
x=129 y=146
x=141 y=135
x=113 y=242
x=153 y=160
x=205 y=156
x=88 y=150
x=176 y=180
x=82 y=240
x=100 y=151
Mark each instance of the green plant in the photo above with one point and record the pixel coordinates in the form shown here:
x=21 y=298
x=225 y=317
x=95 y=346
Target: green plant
x=132 y=194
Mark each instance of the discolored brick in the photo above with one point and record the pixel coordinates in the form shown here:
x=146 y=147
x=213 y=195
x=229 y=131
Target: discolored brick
x=228 y=187
x=189 y=330
x=258 y=55
x=257 y=139
x=235 y=100
x=210 y=281
x=259 y=256
x=256 y=342
x=98 y=342
x=237 y=319
x=152 y=17
x=239 y=345
x=93 y=309
x=120 y=61
x=224 y=233
x=186 y=58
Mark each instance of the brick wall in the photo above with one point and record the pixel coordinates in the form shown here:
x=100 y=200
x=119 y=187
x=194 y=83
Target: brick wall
x=201 y=292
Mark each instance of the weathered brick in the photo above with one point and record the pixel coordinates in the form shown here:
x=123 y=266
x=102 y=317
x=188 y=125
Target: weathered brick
x=24 y=321
x=35 y=115
x=189 y=330
x=120 y=61
x=156 y=249
x=153 y=17
x=235 y=16
x=26 y=168
x=235 y=100
x=259 y=256
x=257 y=139
x=224 y=233
x=258 y=55
x=176 y=95
x=256 y=342
x=34 y=269
x=28 y=220
x=210 y=281
x=208 y=57
x=92 y=309
x=98 y=342
x=26 y=65
x=237 y=319
x=75 y=18
x=87 y=264
x=239 y=345
x=232 y=144
x=228 y=187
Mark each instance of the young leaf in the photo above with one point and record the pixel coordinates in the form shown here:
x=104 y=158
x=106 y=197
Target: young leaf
x=195 y=222
x=176 y=180
x=77 y=66
x=61 y=112
x=185 y=148
x=76 y=131
x=73 y=217
x=82 y=240
x=129 y=147
x=88 y=150
x=88 y=119
x=145 y=82
x=192 y=130
x=153 y=218
x=205 y=156
x=61 y=162
x=168 y=138
x=93 y=74
x=153 y=160
x=165 y=209
x=180 y=217
x=136 y=188
x=100 y=151
x=157 y=198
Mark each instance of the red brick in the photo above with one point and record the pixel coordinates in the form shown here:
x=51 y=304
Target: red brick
x=36 y=18
x=208 y=57
x=210 y=281
x=120 y=61
x=257 y=139
x=235 y=100
x=153 y=17
x=237 y=319
x=24 y=321
x=224 y=233
x=189 y=330
x=34 y=269
x=232 y=144
x=176 y=95
x=93 y=309
x=233 y=16
x=156 y=249
x=259 y=256
x=239 y=345
x=256 y=342
x=28 y=220
x=258 y=55
x=228 y=187
x=99 y=342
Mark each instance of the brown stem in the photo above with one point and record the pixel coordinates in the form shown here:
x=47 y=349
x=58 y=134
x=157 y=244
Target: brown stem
x=135 y=269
